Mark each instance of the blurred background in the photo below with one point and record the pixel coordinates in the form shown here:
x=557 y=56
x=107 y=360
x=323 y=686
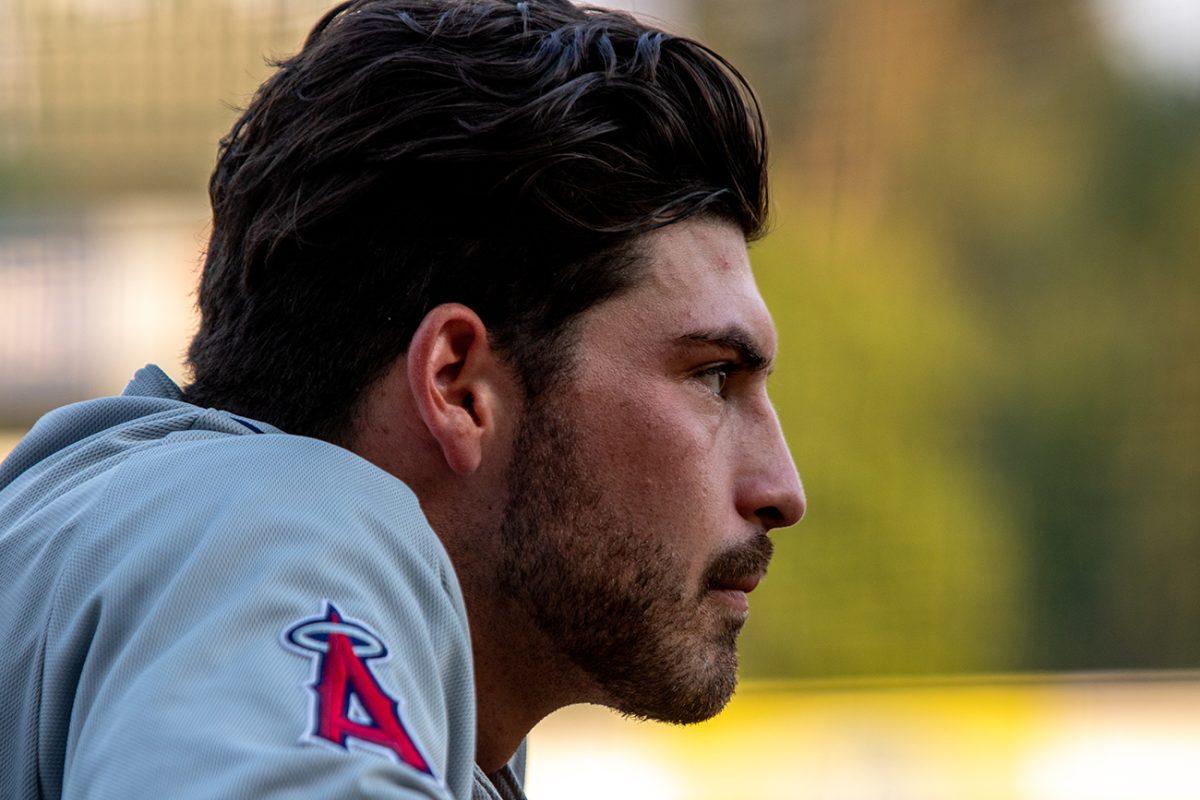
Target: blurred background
x=984 y=266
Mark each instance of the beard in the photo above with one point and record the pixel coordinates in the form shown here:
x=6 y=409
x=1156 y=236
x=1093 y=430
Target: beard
x=613 y=599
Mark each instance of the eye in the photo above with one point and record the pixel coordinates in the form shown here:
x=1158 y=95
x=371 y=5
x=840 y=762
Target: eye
x=714 y=378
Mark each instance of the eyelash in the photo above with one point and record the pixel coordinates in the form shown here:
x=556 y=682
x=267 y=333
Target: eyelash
x=725 y=369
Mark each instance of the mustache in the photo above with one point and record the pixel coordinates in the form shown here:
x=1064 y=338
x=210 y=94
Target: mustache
x=749 y=558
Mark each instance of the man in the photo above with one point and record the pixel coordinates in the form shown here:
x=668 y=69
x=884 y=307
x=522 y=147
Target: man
x=478 y=429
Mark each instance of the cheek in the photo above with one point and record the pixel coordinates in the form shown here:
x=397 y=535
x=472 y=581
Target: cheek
x=659 y=451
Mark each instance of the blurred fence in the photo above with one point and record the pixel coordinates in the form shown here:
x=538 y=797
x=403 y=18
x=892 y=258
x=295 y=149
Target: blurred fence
x=98 y=96
x=89 y=294
x=43 y=280
x=110 y=113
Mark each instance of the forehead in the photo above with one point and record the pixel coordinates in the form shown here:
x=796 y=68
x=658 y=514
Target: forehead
x=697 y=278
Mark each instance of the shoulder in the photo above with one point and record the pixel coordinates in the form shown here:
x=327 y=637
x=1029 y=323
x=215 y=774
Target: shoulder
x=209 y=519
x=239 y=514
x=264 y=467
x=218 y=563
x=292 y=491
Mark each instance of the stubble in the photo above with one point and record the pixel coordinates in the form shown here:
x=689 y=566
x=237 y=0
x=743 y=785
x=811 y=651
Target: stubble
x=612 y=598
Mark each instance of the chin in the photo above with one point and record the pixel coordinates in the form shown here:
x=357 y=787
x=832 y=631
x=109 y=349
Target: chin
x=691 y=690
x=684 y=708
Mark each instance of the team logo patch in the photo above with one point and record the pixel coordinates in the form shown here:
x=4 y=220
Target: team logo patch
x=348 y=702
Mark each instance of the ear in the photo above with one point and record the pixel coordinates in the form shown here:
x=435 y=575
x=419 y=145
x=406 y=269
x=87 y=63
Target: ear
x=453 y=374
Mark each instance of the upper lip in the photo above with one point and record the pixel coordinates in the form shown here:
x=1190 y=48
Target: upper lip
x=744 y=583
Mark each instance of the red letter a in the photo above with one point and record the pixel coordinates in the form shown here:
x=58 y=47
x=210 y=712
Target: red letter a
x=343 y=673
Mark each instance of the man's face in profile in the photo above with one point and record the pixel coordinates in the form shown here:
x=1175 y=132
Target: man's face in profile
x=641 y=493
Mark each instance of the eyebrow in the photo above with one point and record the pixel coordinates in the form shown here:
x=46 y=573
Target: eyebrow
x=735 y=338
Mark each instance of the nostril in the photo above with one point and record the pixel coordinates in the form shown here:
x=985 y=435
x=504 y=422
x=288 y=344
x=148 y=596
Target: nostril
x=772 y=517
x=787 y=511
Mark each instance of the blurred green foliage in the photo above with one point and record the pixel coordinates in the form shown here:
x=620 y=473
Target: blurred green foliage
x=985 y=274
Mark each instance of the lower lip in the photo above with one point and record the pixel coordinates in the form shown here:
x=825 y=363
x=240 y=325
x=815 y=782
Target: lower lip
x=734 y=598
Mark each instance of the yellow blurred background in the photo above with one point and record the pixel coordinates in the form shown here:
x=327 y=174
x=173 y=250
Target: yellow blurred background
x=985 y=268
x=1067 y=737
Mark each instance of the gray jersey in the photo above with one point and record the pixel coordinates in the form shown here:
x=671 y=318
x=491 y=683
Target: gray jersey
x=198 y=605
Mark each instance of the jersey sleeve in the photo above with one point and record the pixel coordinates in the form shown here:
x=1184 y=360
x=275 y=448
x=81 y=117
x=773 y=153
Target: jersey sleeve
x=271 y=620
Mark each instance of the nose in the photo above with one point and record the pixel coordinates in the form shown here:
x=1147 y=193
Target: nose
x=769 y=491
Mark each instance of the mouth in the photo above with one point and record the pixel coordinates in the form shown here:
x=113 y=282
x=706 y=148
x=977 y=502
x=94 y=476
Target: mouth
x=736 y=572
x=744 y=583
x=732 y=591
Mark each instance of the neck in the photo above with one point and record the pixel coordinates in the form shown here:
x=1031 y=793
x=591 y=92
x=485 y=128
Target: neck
x=519 y=679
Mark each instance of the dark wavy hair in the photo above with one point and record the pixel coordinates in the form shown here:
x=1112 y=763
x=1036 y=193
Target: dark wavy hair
x=502 y=155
